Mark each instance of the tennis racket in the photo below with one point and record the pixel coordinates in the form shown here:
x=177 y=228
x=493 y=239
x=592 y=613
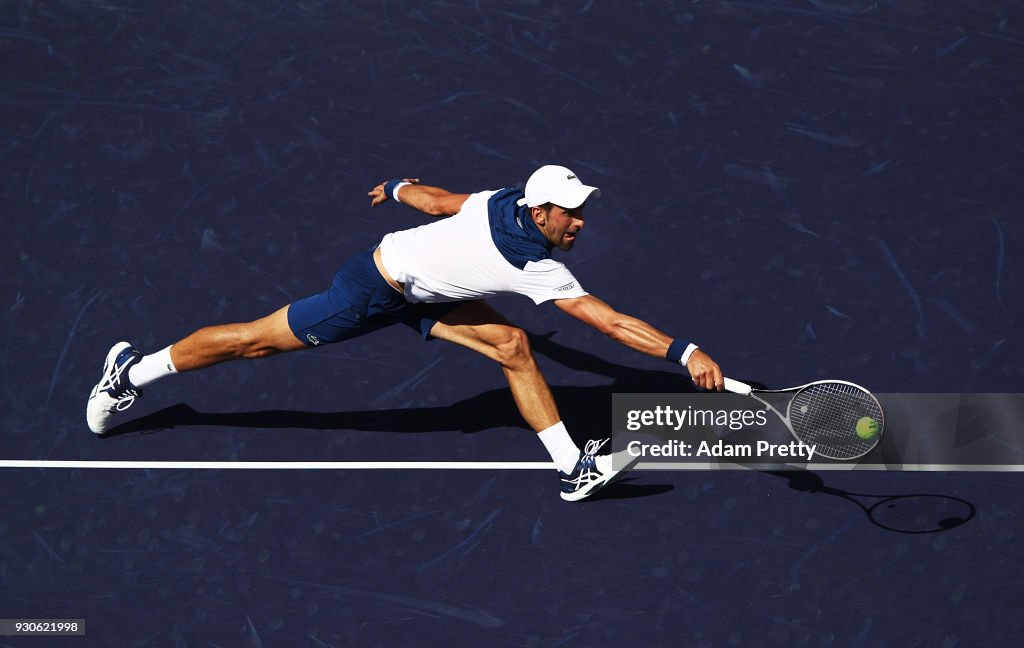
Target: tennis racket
x=823 y=414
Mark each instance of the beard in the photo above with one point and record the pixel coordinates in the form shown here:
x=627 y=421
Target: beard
x=566 y=244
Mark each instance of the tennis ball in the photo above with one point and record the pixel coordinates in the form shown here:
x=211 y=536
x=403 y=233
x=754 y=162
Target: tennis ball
x=867 y=428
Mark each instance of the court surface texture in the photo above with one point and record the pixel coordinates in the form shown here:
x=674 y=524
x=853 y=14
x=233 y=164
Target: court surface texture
x=814 y=189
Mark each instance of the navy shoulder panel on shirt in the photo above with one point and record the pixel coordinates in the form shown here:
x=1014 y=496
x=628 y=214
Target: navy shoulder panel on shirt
x=513 y=231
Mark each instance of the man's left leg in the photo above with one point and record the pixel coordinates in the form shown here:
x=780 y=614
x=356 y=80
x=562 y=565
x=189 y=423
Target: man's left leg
x=478 y=326
x=341 y=312
x=126 y=370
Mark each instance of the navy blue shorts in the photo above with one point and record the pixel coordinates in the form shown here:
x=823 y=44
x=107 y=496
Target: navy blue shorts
x=359 y=301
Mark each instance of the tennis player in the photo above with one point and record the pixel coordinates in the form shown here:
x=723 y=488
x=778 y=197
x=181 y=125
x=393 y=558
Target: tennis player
x=435 y=278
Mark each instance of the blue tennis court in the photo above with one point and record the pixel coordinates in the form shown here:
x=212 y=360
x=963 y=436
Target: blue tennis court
x=822 y=189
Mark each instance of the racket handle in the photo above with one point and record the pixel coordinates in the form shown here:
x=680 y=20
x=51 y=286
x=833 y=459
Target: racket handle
x=736 y=386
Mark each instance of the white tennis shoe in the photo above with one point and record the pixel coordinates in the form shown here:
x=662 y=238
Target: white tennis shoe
x=593 y=472
x=114 y=392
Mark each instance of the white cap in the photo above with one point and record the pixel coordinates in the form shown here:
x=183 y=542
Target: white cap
x=556 y=184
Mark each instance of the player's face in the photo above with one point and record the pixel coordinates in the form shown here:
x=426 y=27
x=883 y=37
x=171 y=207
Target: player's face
x=561 y=225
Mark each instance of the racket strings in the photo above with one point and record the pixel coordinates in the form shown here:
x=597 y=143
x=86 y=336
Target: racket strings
x=825 y=414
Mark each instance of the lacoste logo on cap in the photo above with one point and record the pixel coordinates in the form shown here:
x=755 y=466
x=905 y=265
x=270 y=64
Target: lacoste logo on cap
x=571 y=176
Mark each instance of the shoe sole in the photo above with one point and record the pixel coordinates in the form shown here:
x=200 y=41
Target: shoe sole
x=600 y=483
x=625 y=469
x=111 y=357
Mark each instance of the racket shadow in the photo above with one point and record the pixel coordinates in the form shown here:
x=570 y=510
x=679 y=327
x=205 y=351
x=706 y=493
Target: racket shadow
x=908 y=513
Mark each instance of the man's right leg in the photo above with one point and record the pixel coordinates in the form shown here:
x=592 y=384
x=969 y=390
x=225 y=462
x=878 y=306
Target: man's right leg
x=477 y=326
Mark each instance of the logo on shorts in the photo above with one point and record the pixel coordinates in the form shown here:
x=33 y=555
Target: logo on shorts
x=312 y=339
x=568 y=286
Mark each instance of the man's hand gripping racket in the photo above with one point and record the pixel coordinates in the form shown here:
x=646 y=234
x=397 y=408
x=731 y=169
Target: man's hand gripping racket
x=704 y=372
x=842 y=419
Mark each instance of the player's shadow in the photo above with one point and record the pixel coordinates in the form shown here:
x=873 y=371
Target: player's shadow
x=484 y=411
x=912 y=513
x=586 y=410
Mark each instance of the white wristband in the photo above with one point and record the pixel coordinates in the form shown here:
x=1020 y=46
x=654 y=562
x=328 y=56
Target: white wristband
x=690 y=348
x=394 y=192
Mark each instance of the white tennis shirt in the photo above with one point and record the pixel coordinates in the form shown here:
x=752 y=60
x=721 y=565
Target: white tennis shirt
x=455 y=259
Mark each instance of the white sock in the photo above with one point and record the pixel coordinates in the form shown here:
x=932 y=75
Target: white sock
x=560 y=446
x=152 y=367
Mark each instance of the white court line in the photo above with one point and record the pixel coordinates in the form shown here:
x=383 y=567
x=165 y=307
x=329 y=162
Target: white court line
x=283 y=465
x=478 y=465
x=849 y=467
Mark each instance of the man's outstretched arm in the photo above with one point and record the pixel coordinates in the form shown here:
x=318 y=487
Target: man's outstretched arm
x=433 y=201
x=641 y=336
